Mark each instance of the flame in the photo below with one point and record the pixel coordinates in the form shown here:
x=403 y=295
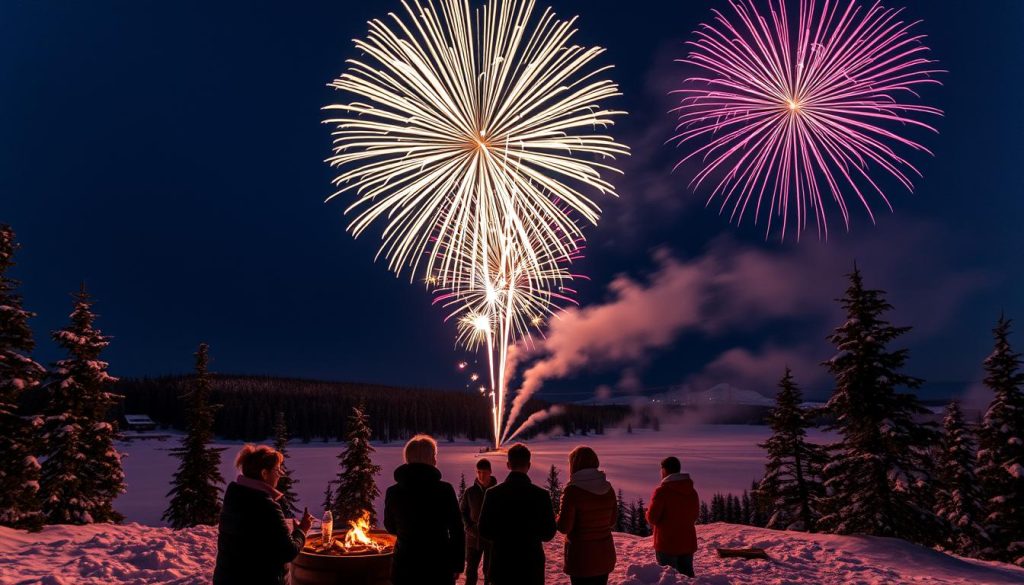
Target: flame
x=358 y=535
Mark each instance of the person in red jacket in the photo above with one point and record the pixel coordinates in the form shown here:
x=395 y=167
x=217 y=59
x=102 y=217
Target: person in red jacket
x=673 y=512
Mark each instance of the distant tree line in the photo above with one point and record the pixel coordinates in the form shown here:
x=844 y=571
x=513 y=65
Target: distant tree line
x=747 y=508
x=318 y=410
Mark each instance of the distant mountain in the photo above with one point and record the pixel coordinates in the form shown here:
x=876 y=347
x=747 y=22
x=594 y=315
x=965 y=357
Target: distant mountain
x=935 y=394
x=718 y=395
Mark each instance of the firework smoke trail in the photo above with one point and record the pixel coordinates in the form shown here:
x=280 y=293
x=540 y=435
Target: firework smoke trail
x=536 y=418
x=783 y=111
x=474 y=136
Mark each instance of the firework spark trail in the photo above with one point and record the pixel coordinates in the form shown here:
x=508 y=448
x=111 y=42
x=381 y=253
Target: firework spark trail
x=784 y=111
x=505 y=289
x=503 y=300
x=474 y=137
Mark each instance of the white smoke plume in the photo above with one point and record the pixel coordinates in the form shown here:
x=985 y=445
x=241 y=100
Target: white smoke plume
x=536 y=418
x=733 y=288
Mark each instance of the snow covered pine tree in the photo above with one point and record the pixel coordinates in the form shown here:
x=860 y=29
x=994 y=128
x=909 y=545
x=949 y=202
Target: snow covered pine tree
x=1001 y=450
x=19 y=469
x=195 y=491
x=878 y=481
x=792 y=476
x=82 y=473
x=357 y=488
x=959 y=500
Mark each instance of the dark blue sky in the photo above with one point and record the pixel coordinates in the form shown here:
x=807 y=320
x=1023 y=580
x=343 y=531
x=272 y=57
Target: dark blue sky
x=170 y=155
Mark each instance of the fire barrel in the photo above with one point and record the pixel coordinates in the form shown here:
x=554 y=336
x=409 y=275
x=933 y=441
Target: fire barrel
x=311 y=568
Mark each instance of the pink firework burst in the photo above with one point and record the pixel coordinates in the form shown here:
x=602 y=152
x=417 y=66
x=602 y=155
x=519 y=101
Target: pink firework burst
x=784 y=117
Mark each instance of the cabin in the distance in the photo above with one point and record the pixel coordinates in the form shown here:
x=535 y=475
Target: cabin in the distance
x=139 y=422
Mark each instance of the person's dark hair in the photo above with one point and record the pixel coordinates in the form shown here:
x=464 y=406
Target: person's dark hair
x=671 y=464
x=518 y=455
x=581 y=458
x=252 y=459
x=483 y=464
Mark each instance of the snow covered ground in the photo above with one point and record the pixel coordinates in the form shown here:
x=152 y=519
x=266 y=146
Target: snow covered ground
x=719 y=457
x=136 y=554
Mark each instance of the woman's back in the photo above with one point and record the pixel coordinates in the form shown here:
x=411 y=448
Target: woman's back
x=587 y=515
x=254 y=541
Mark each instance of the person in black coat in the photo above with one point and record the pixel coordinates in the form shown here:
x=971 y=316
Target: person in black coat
x=255 y=542
x=423 y=512
x=470 y=505
x=515 y=521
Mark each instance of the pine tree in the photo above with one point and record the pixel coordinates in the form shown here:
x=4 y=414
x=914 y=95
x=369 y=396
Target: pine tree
x=631 y=526
x=878 y=481
x=621 y=514
x=745 y=508
x=640 y=526
x=356 y=483
x=82 y=474
x=286 y=485
x=1001 y=450
x=732 y=512
x=704 y=516
x=759 y=505
x=792 y=476
x=718 y=508
x=960 y=503
x=195 y=491
x=462 y=485
x=20 y=505
x=554 y=487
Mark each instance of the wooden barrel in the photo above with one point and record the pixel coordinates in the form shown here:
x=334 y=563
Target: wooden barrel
x=310 y=568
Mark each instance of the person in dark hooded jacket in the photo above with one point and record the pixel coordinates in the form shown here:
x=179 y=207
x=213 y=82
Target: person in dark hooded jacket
x=515 y=521
x=470 y=505
x=673 y=512
x=255 y=542
x=423 y=512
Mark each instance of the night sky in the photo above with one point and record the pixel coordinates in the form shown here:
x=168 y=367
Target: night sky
x=170 y=155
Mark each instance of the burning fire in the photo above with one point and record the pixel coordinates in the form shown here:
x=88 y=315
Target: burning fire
x=358 y=538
